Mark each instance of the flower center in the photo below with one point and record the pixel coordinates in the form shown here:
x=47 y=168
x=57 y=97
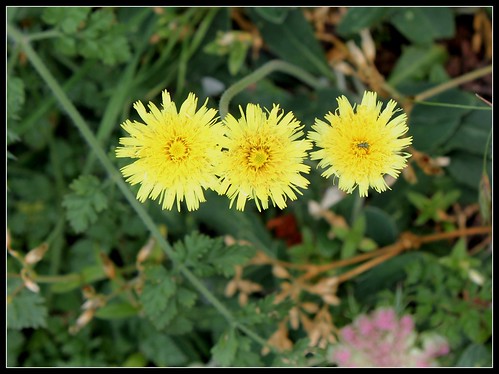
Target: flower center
x=258 y=157
x=177 y=149
x=360 y=148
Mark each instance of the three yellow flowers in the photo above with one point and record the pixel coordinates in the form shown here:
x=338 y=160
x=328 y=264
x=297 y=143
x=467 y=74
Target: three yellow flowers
x=260 y=156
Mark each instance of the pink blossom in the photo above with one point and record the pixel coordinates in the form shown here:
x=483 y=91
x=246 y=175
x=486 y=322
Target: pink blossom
x=381 y=339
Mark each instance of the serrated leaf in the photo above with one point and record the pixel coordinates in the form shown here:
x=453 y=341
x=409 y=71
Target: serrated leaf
x=162 y=350
x=186 y=297
x=245 y=356
x=161 y=319
x=207 y=256
x=159 y=287
x=68 y=19
x=179 y=325
x=225 y=350
x=26 y=309
x=66 y=45
x=83 y=204
x=264 y=311
x=111 y=48
x=224 y=258
x=99 y=22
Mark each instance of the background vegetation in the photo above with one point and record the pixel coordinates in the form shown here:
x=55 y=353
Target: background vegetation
x=96 y=279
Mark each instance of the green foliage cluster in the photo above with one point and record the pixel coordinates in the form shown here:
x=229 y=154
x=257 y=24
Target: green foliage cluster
x=148 y=307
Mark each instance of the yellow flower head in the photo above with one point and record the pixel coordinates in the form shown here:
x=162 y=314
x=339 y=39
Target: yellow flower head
x=360 y=147
x=175 y=151
x=263 y=157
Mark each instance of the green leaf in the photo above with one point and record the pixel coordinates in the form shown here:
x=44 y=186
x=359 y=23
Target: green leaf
x=162 y=350
x=415 y=62
x=432 y=126
x=179 y=325
x=68 y=19
x=274 y=15
x=225 y=350
x=15 y=346
x=116 y=311
x=111 y=48
x=83 y=204
x=237 y=55
x=66 y=45
x=156 y=296
x=136 y=359
x=264 y=311
x=186 y=297
x=245 y=356
x=359 y=18
x=293 y=41
x=424 y=25
x=471 y=324
x=475 y=355
x=225 y=258
x=99 y=22
x=15 y=97
x=472 y=134
x=207 y=256
x=467 y=168
x=26 y=309
x=353 y=237
x=380 y=226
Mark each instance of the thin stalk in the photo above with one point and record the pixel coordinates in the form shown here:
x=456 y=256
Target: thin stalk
x=453 y=83
x=114 y=175
x=44 y=35
x=262 y=71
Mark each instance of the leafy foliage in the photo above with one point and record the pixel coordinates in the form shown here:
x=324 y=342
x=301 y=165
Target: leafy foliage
x=83 y=204
x=25 y=309
x=207 y=256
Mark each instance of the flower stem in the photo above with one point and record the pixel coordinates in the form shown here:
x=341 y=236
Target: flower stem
x=90 y=138
x=262 y=71
x=453 y=83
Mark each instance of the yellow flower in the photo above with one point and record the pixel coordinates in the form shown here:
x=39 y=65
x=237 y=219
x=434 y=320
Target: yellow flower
x=175 y=151
x=263 y=157
x=360 y=147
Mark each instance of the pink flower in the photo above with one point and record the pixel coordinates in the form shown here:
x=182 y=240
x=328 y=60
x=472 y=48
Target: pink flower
x=385 y=319
x=381 y=339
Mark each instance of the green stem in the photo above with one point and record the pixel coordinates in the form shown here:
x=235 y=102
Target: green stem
x=13 y=58
x=357 y=207
x=43 y=35
x=116 y=177
x=262 y=71
x=454 y=83
x=472 y=107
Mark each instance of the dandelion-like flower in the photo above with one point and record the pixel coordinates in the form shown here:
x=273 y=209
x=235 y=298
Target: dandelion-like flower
x=263 y=157
x=360 y=147
x=175 y=150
